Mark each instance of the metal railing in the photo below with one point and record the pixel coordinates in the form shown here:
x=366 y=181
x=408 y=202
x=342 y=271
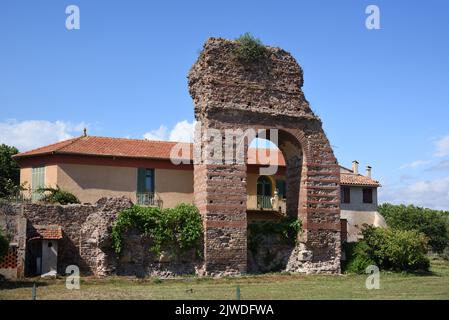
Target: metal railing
x=148 y=199
x=257 y=202
x=264 y=202
x=18 y=198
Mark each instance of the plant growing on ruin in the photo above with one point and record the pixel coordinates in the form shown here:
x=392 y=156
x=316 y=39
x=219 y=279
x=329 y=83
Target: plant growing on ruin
x=286 y=229
x=248 y=48
x=179 y=228
x=56 y=195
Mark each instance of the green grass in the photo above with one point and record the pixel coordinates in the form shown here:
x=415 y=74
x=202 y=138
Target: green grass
x=433 y=285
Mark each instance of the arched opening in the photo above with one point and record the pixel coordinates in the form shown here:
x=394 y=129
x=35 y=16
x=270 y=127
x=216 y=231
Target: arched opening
x=273 y=199
x=284 y=154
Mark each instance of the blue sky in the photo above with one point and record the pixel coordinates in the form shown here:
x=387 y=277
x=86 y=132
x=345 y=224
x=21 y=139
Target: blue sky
x=383 y=95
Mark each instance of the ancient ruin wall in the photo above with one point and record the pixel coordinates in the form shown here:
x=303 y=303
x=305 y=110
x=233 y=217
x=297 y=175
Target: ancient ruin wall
x=229 y=93
x=87 y=241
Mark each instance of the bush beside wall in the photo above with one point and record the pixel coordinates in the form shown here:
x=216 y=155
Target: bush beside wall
x=388 y=249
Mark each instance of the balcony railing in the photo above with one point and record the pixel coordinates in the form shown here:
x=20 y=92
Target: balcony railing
x=257 y=202
x=148 y=199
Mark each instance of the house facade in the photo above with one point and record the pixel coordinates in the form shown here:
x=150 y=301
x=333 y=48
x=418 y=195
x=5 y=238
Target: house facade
x=358 y=201
x=94 y=167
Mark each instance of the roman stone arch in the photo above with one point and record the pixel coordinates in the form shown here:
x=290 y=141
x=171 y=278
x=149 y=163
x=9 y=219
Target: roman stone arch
x=230 y=94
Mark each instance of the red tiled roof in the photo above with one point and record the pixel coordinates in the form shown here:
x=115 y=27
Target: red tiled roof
x=46 y=233
x=351 y=179
x=140 y=148
x=134 y=148
x=106 y=146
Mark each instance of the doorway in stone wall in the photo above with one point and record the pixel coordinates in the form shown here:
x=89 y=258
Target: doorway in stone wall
x=33 y=258
x=41 y=257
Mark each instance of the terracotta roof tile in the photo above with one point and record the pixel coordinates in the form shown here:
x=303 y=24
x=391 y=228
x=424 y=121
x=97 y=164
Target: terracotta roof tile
x=46 y=233
x=105 y=146
x=357 y=180
x=133 y=148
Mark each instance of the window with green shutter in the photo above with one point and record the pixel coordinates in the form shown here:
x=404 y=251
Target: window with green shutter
x=145 y=186
x=145 y=180
x=37 y=181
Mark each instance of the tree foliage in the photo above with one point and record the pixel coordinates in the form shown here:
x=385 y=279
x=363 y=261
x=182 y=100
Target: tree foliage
x=9 y=172
x=433 y=223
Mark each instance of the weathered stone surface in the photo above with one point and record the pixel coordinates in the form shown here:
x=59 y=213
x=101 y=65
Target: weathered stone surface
x=87 y=240
x=264 y=94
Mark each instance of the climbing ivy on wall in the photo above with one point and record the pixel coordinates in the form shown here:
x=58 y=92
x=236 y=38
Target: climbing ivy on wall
x=286 y=230
x=178 y=229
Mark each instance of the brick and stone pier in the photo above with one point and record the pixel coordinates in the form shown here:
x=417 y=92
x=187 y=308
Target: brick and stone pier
x=261 y=95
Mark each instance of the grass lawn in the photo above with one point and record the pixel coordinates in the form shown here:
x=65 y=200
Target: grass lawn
x=434 y=285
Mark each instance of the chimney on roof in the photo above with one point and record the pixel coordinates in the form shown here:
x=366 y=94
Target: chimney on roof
x=368 y=171
x=355 y=167
x=85 y=132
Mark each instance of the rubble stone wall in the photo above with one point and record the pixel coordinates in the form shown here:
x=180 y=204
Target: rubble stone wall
x=87 y=241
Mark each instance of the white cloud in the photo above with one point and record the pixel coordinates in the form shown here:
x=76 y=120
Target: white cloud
x=442 y=147
x=443 y=165
x=30 y=134
x=415 y=164
x=182 y=131
x=158 y=134
x=427 y=193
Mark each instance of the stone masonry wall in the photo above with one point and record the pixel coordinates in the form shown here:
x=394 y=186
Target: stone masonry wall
x=87 y=239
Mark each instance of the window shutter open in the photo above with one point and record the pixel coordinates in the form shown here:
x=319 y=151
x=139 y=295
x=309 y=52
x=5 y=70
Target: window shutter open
x=141 y=172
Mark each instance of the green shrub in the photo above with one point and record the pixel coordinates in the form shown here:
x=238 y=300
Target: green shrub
x=445 y=254
x=248 y=48
x=389 y=249
x=180 y=228
x=357 y=257
x=56 y=195
x=4 y=246
x=433 y=223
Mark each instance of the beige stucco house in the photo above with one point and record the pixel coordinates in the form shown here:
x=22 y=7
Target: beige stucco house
x=94 y=167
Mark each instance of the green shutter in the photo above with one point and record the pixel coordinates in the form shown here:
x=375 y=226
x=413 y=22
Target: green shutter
x=280 y=185
x=37 y=181
x=141 y=173
x=151 y=174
